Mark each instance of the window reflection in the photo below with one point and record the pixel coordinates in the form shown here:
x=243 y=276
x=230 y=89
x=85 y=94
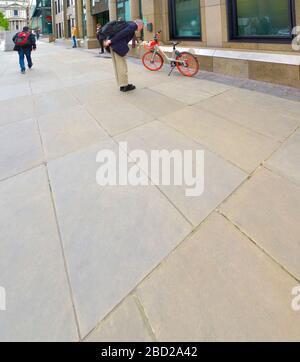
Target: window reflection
x=263 y=18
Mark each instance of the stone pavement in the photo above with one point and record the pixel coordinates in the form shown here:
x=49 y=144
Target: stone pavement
x=81 y=262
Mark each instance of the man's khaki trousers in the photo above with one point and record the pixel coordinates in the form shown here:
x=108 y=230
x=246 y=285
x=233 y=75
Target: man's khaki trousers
x=121 y=69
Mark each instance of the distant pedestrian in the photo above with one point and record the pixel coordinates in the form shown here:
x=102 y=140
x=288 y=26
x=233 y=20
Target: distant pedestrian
x=119 y=49
x=100 y=38
x=37 y=32
x=24 y=44
x=74 y=36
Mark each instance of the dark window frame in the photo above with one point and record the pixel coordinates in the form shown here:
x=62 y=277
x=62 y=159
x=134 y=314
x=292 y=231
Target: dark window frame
x=124 y=6
x=172 y=24
x=233 y=26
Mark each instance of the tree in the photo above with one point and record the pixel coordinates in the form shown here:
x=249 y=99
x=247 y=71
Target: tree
x=3 y=22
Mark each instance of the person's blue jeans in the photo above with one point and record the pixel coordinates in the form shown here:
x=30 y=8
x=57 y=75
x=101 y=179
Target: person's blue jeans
x=22 y=54
x=74 y=42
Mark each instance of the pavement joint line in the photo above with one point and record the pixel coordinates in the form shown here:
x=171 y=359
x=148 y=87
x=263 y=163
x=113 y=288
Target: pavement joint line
x=146 y=277
x=66 y=270
x=72 y=299
x=123 y=133
x=280 y=144
x=99 y=324
x=14 y=122
x=144 y=316
x=202 y=145
x=23 y=172
x=296 y=183
x=286 y=139
x=238 y=124
x=97 y=122
x=282 y=267
x=171 y=98
x=181 y=244
x=282 y=175
x=158 y=188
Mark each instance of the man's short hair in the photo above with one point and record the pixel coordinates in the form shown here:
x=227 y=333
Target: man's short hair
x=26 y=28
x=139 y=22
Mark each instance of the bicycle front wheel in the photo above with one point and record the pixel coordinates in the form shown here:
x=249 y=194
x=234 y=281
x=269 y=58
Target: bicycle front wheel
x=187 y=64
x=153 y=61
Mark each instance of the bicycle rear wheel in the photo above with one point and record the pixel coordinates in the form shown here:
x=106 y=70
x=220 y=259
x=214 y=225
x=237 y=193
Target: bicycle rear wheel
x=153 y=62
x=188 y=65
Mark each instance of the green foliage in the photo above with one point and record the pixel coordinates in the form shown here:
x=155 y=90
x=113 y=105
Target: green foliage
x=3 y=22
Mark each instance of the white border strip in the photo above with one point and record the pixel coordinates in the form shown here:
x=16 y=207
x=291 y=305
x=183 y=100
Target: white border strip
x=233 y=54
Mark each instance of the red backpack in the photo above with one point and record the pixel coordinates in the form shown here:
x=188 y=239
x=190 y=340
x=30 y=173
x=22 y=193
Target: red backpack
x=23 y=39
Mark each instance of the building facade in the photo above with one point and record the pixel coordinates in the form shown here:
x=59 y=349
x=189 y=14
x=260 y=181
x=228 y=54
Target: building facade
x=208 y=27
x=16 y=12
x=41 y=16
x=64 y=18
x=239 y=24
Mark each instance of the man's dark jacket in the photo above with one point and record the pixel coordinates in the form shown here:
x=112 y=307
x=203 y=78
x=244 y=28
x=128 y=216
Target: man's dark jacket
x=30 y=46
x=119 y=43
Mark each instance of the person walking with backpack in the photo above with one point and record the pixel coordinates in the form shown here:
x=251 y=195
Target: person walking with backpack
x=121 y=33
x=24 y=44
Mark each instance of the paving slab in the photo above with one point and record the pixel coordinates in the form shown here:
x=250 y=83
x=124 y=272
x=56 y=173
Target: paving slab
x=42 y=85
x=54 y=101
x=38 y=303
x=14 y=90
x=242 y=147
x=118 y=118
x=190 y=90
x=287 y=159
x=79 y=78
x=20 y=148
x=16 y=109
x=125 y=324
x=92 y=92
x=272 y=103
x=143 y=78
x=181 y=92
x=256 y=112
x=113 y=236
x=153 y=103
x=220 y=177
x=218 y=286
x=267 y=208
x=67 y=131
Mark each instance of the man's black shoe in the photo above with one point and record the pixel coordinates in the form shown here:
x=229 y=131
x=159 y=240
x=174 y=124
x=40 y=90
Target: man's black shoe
x=127 y=88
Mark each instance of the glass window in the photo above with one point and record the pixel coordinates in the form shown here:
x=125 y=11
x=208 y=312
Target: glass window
x=123 y=10
x=185 y=18
x=262 y=18
x=16 y=13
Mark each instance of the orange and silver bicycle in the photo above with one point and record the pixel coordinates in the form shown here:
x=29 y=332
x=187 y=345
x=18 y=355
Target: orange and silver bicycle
x=154 y=58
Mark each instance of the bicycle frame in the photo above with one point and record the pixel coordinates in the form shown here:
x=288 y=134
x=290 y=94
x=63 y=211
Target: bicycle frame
x=170 y=60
